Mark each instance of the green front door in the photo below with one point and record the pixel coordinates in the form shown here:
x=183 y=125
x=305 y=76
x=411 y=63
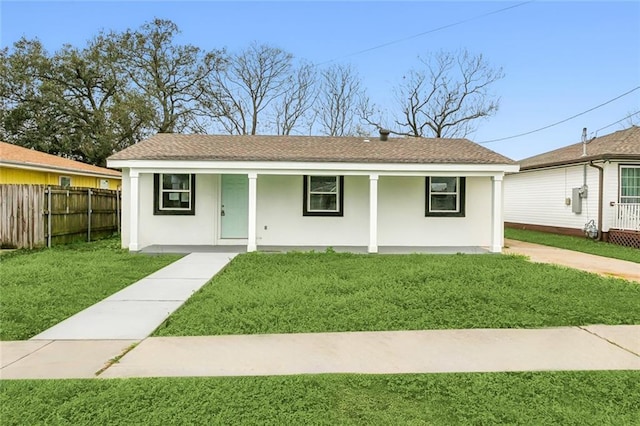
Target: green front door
x=234 y=208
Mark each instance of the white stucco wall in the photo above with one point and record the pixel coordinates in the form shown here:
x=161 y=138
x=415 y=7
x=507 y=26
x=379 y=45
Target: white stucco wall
x=537 y=197
x=280 y=211
x=179 y=230
x=401 y=219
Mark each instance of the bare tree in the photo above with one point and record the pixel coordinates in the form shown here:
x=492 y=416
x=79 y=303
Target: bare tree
x=341 y=97
x=296 y=100
x=632 y=119
x=447 y=97
x=251 y=81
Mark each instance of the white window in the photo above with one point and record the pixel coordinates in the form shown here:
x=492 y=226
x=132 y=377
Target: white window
x=323 y=195
x=65 y=181
x=174 y=194
x=445 y=196
x=103 y=183
x=630 y=184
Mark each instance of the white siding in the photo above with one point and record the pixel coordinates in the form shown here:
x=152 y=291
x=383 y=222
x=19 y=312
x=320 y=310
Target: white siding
x=610 y=194
x=611 y=190
x=402 y=222
x=538 y=197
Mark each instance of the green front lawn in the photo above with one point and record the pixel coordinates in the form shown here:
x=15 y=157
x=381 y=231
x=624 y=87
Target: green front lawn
x=540 y=398
x=584 y=245
x=41 y=288
x=321 y=292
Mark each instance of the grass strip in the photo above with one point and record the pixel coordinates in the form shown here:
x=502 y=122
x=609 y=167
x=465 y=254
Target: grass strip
x=43 y=287
x=261 y=293
x=541 y=398
x=584 y=245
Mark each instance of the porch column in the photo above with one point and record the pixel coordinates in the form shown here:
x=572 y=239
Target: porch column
x=373 y=213
x=497 y=231
x=253 y=204
x=134 y=210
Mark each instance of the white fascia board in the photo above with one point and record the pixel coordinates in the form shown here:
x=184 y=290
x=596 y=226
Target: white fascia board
x=300 y=168
x=53 y=169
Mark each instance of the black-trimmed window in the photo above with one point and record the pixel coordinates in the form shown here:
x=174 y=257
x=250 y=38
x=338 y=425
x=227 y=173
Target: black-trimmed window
x=445 y=196
x=323 y=195
x=174 y=194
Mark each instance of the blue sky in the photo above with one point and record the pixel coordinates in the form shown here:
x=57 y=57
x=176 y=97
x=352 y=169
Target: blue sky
x=559 y=58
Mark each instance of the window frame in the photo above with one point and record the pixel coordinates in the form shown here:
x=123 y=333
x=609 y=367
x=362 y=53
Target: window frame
x=60 y=178
x=158 y=209
x=306 y=197
x=460 y=198
x=620 y=196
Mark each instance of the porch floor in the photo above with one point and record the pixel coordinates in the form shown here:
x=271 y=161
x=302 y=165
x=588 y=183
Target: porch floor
x=156 y=249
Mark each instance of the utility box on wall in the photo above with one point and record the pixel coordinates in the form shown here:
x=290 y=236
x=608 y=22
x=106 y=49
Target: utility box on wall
x=576 y=201
x=577 y=194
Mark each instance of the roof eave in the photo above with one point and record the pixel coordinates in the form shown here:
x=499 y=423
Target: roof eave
x=587 y=159
x=270 y=166
x=55 y=169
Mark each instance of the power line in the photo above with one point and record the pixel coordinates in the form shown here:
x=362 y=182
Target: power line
x=400 y=40
x=563 y=121
x=615 y=122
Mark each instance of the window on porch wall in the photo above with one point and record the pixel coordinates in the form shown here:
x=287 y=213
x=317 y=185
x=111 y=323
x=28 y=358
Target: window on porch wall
x=174 y=194
x=629 y=184
x=445 y=196
x=323 y=195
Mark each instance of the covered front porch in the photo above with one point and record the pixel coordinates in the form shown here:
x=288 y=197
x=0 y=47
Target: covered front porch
x=384 y=212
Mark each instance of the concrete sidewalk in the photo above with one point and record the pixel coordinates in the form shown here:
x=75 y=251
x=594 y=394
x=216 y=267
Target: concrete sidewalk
x=136 y=311
x=89 y=342
x=595 y=347
x=605 y=266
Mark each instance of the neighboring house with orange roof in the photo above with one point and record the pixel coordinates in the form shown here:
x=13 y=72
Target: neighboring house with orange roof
x=270 y=192
x=21 y=165
x=593 y=185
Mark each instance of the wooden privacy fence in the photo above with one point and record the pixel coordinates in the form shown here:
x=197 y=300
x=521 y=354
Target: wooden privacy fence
x=37 y=215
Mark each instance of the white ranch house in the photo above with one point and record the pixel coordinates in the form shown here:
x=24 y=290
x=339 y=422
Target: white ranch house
x=308 y=191
x=563 y=190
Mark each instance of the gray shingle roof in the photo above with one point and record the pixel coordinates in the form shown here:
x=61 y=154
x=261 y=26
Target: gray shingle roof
x=166 y=146
x=624 y=144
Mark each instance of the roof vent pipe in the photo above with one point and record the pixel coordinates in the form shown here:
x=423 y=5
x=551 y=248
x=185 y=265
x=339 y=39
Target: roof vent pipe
x=584 y=141
x=384 y=134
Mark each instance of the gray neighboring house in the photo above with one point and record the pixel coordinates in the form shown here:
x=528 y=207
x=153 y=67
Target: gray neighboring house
x=593 y=186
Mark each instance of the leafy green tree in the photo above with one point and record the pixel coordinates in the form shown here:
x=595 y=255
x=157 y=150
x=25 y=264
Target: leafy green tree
x=171 y=77
x=25 y=118
x=72 y=103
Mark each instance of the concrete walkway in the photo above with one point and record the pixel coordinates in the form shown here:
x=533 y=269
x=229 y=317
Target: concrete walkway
x=605 y=266
x=136 y=311
x=89 y=342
